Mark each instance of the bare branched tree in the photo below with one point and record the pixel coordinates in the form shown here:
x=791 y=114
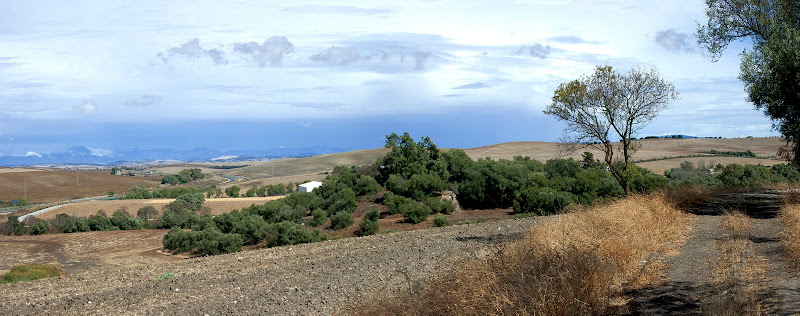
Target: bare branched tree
x=606 y=109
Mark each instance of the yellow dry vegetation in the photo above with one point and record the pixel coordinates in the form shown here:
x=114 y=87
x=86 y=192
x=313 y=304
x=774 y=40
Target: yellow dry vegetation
x=574 y=264
x=215 y=206
x=790 y=217
x=736 y=272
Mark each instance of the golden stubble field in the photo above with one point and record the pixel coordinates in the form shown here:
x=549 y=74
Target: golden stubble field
x=45 y=185
x=651 y=148
x=215 y=206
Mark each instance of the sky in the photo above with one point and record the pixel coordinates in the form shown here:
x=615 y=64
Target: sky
x=225 y=75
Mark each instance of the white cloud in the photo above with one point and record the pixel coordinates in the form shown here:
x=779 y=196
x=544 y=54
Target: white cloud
x=474 y=85
x=271 y=50
x=144 y=100
x=32 y=154
x=674 y=41
x=86 y=107
x=192 y=49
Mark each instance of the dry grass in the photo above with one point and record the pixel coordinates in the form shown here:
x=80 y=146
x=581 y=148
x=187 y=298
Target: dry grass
x=736 y=273
x=790 y=217
x=651 y=148
x=574 y=264
x=215 y=206
x=57 y=185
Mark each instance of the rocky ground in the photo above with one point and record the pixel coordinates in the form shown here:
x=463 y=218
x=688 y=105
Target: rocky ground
x=320 y=278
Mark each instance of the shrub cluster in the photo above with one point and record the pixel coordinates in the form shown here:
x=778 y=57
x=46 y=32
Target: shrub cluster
x=369 y=225
x=64 y=223
x=275 y=223
x=732 y=175
x=185 y=176
x=270 y=190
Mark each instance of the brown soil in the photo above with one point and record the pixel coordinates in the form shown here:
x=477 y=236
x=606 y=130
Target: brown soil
x=58 y=185
x=690 y=288
x=311 y=279
x=84 y=251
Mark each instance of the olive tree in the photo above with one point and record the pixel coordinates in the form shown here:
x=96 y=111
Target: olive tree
x=604 y=111
x=770 y=70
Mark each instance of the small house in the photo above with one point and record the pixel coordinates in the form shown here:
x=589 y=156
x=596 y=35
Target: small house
x=309 y=186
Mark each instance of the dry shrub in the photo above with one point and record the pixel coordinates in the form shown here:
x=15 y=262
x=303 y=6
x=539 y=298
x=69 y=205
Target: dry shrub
x=573 y=264
x=735 y=283
x=792 y=196
x=688 y=196
x=735 y=224
x=790 y=217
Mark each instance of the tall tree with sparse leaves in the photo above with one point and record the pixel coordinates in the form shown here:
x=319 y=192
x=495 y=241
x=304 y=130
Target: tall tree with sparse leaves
x=606 y=109
x=770 y=70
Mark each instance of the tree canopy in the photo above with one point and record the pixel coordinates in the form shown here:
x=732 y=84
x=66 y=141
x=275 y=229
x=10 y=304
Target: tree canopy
x=770 y=70
x=608 y=106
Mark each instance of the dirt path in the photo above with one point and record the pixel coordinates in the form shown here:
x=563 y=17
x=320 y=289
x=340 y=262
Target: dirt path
x=318 y=278
x=692 y=284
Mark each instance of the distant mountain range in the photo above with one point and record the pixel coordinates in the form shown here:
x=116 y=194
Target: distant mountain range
x=88 y=155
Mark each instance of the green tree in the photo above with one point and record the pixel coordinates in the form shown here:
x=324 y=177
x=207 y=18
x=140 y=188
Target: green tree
x=770 y=70
x=341 y=220
x=232 y=191
x=147 y=213
x=609 y=106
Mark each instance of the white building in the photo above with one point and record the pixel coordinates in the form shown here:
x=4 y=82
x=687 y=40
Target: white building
x=308 y=187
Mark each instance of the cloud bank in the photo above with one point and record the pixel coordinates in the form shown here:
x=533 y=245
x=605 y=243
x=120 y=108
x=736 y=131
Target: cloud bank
x=86 y=107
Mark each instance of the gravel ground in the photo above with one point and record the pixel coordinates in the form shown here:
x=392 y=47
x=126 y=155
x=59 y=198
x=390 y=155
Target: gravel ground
x=319 y=278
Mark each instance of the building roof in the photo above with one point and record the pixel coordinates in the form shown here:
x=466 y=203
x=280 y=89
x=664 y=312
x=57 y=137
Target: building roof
x=311 y=184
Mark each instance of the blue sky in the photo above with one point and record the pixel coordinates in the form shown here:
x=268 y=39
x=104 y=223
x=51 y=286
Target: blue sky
x=184 y=74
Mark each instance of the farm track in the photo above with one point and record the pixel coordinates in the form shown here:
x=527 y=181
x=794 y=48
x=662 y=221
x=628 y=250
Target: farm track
x=320 y=278
x=688 y=288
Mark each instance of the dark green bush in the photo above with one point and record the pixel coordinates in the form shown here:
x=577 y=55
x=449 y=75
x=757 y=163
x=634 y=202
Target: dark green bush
x=737 y=175
x=785 y=173
x=304 y=200
x=14 y=226
x=206 y=242
x=366 y=185
x=647 y=183
x=369 y=224
x=100 y=223
x=288 y=233
x=64 y=223
x=173 y=217
x=39 y=228
x=415 y=212
x=343 y=201
x=147 y=213
x=341 y=220
x=441 y=221
x=319 y=217
x=542 y=201
x=437 y=205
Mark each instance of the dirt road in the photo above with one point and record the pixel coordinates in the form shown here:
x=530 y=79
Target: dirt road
x=318 y=278
x=692 y=285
